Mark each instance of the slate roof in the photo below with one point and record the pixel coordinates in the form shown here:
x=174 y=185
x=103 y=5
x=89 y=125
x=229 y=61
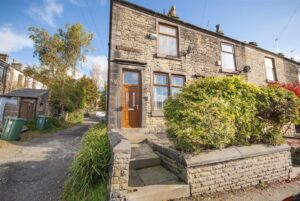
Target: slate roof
x=29 y=93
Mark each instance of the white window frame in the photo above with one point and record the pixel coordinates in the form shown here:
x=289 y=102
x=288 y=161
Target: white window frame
x=272 y=69
x=227 y=52
x=168 y=35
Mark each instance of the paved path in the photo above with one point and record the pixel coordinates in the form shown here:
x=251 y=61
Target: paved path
x=36 y=170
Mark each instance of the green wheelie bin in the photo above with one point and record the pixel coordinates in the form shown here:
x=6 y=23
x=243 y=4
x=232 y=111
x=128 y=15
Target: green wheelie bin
x=41 y=122
x=12 y=128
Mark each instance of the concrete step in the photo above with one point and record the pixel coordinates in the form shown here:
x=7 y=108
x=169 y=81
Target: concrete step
x=134 y=135
x=159 y=192
x=142 y=156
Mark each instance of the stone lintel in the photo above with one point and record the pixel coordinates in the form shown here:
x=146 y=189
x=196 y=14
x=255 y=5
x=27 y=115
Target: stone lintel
x=130 y=62
x=232 y=153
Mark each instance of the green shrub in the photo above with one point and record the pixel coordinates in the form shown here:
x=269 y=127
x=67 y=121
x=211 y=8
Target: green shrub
x=208 y=124
x=90 y=168
x=76 y=116
x=277 y=107
x=53 y=123
x=31 y=125
x=220 y=111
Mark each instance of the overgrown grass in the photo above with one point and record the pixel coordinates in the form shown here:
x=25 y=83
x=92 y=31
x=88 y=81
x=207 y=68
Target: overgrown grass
x=53 y=125
x=89 y=172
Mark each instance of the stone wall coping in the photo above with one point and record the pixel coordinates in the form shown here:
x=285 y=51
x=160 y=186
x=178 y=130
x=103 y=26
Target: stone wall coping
x=118 y=142
x=232 y=153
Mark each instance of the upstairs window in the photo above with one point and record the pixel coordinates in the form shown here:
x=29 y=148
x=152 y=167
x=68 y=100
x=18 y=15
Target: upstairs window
x=167 y=40
x=227 y=54
x=270 y=69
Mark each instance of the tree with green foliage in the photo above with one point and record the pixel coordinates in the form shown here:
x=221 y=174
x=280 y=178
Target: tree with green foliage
x=91 y=90
x=58 y=55
x=103 y=99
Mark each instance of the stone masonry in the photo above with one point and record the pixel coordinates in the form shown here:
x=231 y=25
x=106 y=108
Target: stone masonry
x=239 y=173
x=119 y=167
x=131 y=48
x=228 y=169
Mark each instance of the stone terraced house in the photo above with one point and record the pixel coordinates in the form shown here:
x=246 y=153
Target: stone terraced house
x=152 y=55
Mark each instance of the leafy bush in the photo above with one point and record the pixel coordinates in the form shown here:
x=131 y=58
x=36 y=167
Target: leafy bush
x=207 y=124
x=31 y=124
x=54 y=123
x=90 y=168
x=217 y=112
x=76 y=116
x=277 y=108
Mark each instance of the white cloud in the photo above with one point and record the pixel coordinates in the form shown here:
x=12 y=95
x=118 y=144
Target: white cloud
x=47 y=12
x=91 y=60
x=12 y=41
x=100 y=64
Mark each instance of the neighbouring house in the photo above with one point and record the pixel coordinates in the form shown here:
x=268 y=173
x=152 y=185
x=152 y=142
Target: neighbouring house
x=12 y=77
x=24 y=103
x=152 y=55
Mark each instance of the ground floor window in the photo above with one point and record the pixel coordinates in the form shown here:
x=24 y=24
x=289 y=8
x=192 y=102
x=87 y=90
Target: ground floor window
x=162 y=87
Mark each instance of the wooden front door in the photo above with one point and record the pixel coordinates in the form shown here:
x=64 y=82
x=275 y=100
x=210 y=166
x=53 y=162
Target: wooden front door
x=131 y=100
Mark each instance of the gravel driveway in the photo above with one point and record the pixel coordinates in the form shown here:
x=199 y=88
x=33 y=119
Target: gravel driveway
x=36 y=170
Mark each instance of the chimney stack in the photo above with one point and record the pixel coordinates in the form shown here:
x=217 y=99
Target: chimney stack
x=172 y=12
x=4 y=57
x=218 y=29
x=17 y=65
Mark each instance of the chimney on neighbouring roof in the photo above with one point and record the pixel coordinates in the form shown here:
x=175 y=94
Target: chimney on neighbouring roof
x=4 y=57
x=218 y=29
x=253 y=43
x=17 y=65
x=172 y=12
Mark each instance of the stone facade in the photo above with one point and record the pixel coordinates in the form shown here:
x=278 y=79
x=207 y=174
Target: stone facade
x=230 y=168
x=119 y=167
x=131 y=47
x=12 y=76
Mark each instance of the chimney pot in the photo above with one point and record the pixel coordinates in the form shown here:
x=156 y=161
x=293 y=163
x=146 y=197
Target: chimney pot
x=172 y=12
x=253 y=43
x=218 y=29
x=4 y=57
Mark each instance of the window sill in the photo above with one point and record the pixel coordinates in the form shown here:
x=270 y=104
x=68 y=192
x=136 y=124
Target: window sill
x=271 y=81
x=162 y=56
x=157 y=113
x=234 y=72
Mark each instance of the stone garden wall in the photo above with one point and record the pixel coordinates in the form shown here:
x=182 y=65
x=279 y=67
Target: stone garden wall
x=172 y=160
x=229 y=169
x=119 y=166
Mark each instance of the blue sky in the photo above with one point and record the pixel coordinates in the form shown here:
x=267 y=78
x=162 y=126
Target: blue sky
x=246 y=20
